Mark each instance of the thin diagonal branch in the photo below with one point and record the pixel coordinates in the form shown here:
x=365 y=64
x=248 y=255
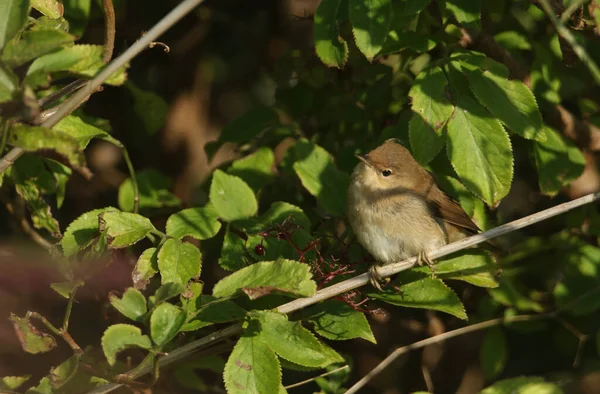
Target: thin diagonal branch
x=363 y=279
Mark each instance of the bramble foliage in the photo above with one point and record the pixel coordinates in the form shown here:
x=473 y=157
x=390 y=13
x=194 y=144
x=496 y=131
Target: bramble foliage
x=405 y=69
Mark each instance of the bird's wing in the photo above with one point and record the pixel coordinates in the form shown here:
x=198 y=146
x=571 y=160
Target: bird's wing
x=450 y=210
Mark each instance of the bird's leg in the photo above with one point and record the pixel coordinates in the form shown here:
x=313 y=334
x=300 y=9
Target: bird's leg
x=422 y=257
x=375 y=279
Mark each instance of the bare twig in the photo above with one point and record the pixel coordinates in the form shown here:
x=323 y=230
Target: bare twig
x=440 y=338
x=566 y=34
x=26 y=227
x=109 y=30
x=363 y=279
x=291 y=386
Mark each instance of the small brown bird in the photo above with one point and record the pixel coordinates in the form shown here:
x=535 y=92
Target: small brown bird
x=397 y=210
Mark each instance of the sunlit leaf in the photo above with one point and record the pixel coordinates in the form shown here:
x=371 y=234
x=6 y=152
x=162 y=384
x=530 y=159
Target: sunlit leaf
x=330 y=47
x=119 y=337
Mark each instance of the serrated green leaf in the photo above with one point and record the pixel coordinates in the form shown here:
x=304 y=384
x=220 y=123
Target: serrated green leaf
x=255 y=169
x=145 y=268
x=466 y=12
x=319 y=175
x=81 y=60
x=337 y=320
x=178 y=261
x=249 y=125
x=165 y=323
x=119 y=337
x=44 y=387
x=165 y=292
x=267 y=277
x=82 y=231
x=50 y=8
x=9 y=83
x=32 y=340
x=83 y=132
x=153 y=192
x=431 y=110
x=131 y=305
x=487 y=170
x=150 y=108
x=231 y=197
x=330 y=47
x=13 y=382
x=276 y=248
x=523 y=385
x=293 y=342
x=41 y=214
x=124 y=228
x=510 y=101
x=199 y=223
x=64 y=372
x=471 y=60
x=472 y=266
x=493 y=353
x=13 y=15
x=278 y=213
x=396 y=41
x=558 y=160
x=371 y=21
x=233 y=252
x=418 y=291
x=33 y=139
x=252 y=367
x=33 y=44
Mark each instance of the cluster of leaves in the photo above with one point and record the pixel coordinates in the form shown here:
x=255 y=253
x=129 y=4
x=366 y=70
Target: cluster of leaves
x=275 y=221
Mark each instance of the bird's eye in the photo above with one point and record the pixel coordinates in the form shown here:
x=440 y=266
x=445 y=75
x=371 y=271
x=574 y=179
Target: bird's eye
x=386 y=172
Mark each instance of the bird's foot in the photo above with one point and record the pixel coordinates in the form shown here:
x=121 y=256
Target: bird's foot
x=423 y=258
x=375 y=279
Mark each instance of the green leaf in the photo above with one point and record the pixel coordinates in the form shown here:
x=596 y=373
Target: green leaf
x=252 y=367
x=493 y=353
x=150 y=108
x=558 y=160
x=231 y=197
x=165 y=292
x=487 y=170
x=82 y=231
x=145 y=268
x=165 y=323
x=249 y=125
x=131 y=305
x=293 y=342
x=523 y=385
x=212 y=310
x=63 y=373
x=319 y=175
x=371 y=21
x=61 y=174
x=119 y=337
x=330 y=47
x=34 y=44
x=178 y=261
x=44 y=387
x=13 y=382
x=77 y=12
x=255 y=169
x=431 y=110
x=510 y=101
x=123 y=228
x=337 y=320
x=153 y=192
x=466 y=12
x=81 y=60
x=233 y=252
x=41 y=214
x=65 y=289
x=32 y=340
x=462 y=61
x=396 y=41
x=13 y=15
x=267 y=277
x=32 y=139
x=471 y=266
x=417 y=291
x=278 y=213
x=509 y=295
x=9 y=83
x=199 y=223
x=50 y=8
x=83 y=132
x=513 y=40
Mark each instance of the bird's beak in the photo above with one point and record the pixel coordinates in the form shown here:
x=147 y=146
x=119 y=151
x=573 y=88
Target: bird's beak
x=365 y=159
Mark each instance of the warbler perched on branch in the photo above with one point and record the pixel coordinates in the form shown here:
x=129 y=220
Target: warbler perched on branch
x=397 y=210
